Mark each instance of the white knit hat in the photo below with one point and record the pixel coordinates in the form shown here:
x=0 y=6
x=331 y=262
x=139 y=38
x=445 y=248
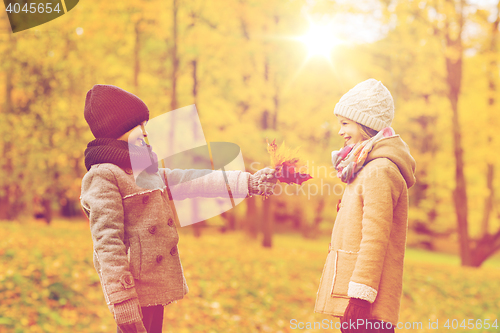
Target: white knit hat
x=369 y=103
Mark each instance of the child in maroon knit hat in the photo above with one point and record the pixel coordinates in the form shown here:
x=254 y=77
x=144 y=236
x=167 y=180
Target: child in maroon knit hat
x=133 y=231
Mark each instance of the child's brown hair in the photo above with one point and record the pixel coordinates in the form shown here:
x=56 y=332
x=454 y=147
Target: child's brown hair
x=367 y=132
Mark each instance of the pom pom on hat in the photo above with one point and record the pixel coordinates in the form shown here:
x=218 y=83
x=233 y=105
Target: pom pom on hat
x=369 y=103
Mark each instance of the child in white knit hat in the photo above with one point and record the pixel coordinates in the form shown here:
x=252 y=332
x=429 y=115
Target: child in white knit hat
x=362 y=278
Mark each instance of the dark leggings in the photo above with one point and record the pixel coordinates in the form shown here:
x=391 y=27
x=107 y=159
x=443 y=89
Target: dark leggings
x=152 y=317
x=371 y=326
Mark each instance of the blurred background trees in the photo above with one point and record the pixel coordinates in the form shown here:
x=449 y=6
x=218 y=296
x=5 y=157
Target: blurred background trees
x=251 y=79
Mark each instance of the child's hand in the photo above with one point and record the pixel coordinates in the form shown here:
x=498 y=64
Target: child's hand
x=128 y=316
x=136 y=327
x=356 y=309
x=262 y=182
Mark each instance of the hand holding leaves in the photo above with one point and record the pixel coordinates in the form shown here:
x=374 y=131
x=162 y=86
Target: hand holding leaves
x=286 y=163
x=262 y=182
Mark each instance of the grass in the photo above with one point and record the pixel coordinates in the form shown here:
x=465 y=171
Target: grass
x=48 y=284
x=418 y=255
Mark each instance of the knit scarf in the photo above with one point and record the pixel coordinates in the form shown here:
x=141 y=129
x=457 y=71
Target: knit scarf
x=120 y=153
x=349 y=160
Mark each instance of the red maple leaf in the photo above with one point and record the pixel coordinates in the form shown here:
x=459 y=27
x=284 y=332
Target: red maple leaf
x=285 y=173
x=286 y=162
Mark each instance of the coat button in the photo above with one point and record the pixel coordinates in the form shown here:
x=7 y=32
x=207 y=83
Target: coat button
x=128 y=279
x=159 y=258
x=128 y=171
x=170 y=222
x=173 y=251
x=152 y=229
x=145 y=199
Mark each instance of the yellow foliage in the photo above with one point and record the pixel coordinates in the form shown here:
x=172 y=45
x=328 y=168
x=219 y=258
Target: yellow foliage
x=284 y=155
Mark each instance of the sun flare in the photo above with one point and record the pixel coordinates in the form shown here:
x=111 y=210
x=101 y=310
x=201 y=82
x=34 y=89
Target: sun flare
x=320 y=40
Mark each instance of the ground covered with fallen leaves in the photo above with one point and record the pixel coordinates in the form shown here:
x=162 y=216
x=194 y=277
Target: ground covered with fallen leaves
x=48 y=284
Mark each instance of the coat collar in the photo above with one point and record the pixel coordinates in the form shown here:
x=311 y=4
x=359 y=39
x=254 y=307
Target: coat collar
x=396 y=150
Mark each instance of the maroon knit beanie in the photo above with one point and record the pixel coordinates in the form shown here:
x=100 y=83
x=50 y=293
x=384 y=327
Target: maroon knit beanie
x=111 y=111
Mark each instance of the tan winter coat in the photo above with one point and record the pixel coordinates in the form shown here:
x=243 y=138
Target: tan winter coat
x=366 y=254
x=133 y=231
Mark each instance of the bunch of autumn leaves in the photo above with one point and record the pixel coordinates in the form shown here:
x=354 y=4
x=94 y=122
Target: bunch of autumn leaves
x=286 y=163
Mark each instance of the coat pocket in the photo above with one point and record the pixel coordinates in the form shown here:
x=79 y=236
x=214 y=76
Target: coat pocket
x=344 y=267
x=134 y=253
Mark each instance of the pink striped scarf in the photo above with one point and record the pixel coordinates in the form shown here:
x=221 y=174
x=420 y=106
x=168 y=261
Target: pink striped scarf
x=349 y=160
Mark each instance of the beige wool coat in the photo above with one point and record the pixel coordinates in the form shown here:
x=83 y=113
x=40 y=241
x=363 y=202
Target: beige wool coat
x=133 y=231
x=366 y=254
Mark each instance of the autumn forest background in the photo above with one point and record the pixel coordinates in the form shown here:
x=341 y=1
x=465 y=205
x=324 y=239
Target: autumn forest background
x=255 y=69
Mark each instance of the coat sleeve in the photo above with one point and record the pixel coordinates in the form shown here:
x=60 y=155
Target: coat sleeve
x=380 y=193
x=192 y=183
x=102 y=199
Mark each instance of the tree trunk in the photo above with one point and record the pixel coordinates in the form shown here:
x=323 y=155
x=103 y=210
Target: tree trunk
x=319 y=213
x=488 y=201
x=485 y=248
x=251 y=217
x=267 y=219
x=297 y=218
x=47 y=210
x=5 y=205
x=68 y=208
x=173 y=101
x=276 y=98
x=197 y=225
x=197 y=228
x=175 y=60
x=492 y=89
x=454 y=81
x=276 y=101
x=489 y=244
x=230 y=221
x=267 y=224
x=194 y=65
x=137 y=63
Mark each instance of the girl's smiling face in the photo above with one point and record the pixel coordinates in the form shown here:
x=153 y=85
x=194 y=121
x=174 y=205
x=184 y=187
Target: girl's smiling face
x=349 y=130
